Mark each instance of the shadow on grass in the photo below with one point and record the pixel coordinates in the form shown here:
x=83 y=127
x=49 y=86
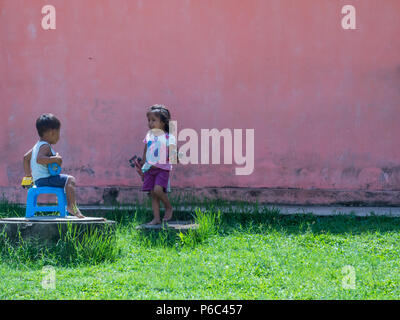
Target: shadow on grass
x=241 y=215
x=269 y=219
x=236 y=217
x=73 y=247
x=8 y=209
x=256 y=218
x=207 y=222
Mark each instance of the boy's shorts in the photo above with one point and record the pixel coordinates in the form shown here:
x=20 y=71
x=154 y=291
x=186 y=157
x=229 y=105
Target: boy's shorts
x=57 y=181
x=155 y=176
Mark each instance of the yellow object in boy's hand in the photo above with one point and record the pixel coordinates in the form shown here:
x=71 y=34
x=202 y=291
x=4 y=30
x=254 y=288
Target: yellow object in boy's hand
x=26 y=182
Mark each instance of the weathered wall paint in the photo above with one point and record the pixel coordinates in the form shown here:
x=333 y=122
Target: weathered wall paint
x=324 y=102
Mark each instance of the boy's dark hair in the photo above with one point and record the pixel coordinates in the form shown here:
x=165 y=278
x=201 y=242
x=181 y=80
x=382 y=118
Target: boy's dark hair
x=47 y=122
x=161 y=112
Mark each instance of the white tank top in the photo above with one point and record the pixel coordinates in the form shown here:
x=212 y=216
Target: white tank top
x=38 y=170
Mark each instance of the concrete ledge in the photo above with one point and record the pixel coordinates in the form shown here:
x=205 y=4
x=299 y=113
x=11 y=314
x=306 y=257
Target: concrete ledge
x=69 y=219
x=283 y=209
x=284 y=196
x=50 y=229
x=102 y=211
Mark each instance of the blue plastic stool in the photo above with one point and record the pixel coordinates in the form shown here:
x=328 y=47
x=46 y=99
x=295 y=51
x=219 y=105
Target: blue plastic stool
x=31 y=202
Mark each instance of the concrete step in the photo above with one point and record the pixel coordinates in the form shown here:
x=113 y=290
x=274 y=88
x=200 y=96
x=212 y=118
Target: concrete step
x=283 y=209
x=51 y=228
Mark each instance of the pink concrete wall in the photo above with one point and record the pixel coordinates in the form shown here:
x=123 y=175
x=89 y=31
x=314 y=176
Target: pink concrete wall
x=324 y=101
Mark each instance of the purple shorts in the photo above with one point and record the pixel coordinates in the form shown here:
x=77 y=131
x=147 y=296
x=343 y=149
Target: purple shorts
x=155 y=176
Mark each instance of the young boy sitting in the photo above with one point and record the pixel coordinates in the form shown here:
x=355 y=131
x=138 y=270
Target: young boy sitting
x=37 y=159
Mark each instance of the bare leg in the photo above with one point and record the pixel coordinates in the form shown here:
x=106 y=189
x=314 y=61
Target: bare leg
x=71 y=202
x=155 y=203
x=158 y=190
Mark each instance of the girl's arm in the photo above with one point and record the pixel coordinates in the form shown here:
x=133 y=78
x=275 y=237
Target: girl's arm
x=27 y=163
x=144 y=155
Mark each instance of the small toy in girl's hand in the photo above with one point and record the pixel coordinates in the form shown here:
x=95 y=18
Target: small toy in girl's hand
x=27 y=182
x=135 y=163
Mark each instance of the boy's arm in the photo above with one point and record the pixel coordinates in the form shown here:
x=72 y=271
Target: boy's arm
x=45 y=156
x=27 y=163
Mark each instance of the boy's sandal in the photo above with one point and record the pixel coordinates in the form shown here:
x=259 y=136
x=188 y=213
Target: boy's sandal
x=74 y=214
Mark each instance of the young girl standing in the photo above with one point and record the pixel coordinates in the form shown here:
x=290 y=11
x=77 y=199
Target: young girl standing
x=156 y=164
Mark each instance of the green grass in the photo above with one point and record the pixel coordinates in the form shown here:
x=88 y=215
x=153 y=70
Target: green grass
x=232 y=255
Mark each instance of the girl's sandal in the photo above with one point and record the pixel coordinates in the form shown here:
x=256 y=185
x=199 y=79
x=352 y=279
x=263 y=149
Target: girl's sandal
x=151 y=223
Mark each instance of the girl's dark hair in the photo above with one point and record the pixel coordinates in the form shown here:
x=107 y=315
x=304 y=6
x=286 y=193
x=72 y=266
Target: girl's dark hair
x=161 y=112
x=47 y=122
